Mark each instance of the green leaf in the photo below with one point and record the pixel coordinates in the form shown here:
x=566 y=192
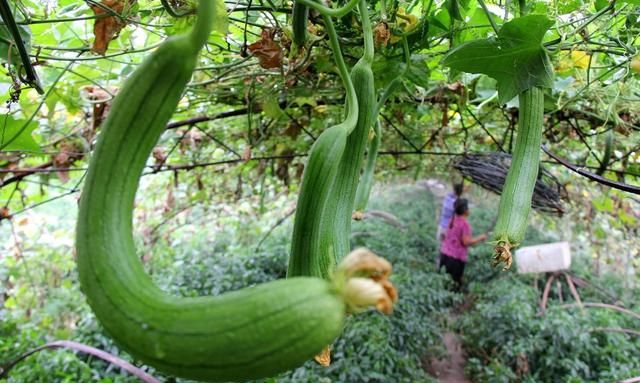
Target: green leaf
x=599 y=4
x=16 y=135
x=181 y=25
x=568 y=6
x=603 y=203
x=457 y=8
x=600 y=233
x=10 y=303
x=5 y=38
x=306 y=100
x=221 y=21
x=419 y=75
x=271 y=108
x=516 y=58
x=627 y=219
x=440 y=20
x=632 y=2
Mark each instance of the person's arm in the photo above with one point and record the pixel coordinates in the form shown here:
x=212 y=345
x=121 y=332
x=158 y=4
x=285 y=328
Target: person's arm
x=468 y=240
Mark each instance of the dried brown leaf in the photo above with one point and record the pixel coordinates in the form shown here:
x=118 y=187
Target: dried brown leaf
x=106 y=29
x=381 y=34
x=268 y=52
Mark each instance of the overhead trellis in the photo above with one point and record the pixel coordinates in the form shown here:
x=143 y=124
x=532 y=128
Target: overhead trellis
x=489 y=170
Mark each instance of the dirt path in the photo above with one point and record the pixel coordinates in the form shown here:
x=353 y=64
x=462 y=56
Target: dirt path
x=450 y=369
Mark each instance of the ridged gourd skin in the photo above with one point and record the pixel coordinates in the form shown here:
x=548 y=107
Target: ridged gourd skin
x=247 y=334
x=336 y=221
x=322 y=225
x=515 y=201
x=310 y=245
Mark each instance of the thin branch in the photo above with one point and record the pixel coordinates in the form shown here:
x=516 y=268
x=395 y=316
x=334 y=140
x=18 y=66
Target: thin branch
x=489 y=16
x=94 y=58
x=172 y=168
x=627 y=154
x=590 y=20
x=4 y=143
x=175 y=13
x=143 y=376
x=198 y=119
x=261 y=8
x=402 y=135
x=418 y=153
x=592 y=176
x=217 y=141
x=12 y=27
x=27 y=208
x=386 y=217
x=21 y=173
x=484 y=128
x=166 y=220
x=619 y=172
x=62 y=20
x=274 y=226
x=576 y=128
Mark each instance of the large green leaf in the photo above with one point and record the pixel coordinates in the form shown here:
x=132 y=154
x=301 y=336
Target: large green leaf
x=516 y=58
x=16 y=134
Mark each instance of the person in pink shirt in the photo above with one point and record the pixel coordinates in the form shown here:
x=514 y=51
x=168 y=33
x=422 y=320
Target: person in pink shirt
x=457 y=239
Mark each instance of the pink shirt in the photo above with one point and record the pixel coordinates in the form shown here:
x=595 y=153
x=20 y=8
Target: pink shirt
x=452 y=244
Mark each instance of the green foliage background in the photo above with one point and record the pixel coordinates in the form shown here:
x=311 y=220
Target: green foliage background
x=500 y=326
x=229 y=169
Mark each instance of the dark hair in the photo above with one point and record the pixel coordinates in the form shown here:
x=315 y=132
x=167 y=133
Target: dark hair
x=458 y=188
x=461 y=206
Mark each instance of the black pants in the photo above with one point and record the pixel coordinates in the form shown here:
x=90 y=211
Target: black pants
x=454 y=267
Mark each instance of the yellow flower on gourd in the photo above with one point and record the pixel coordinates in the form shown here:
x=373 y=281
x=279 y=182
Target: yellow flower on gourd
x=404 y=21
x=575 y=59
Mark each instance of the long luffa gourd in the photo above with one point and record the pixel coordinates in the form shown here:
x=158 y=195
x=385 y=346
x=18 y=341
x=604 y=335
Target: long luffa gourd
x=515 y=200
x=517 y=193
x=247 y=334
x=299 y=17
x=366 y=180
x=530 y=73
x=323 y=217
